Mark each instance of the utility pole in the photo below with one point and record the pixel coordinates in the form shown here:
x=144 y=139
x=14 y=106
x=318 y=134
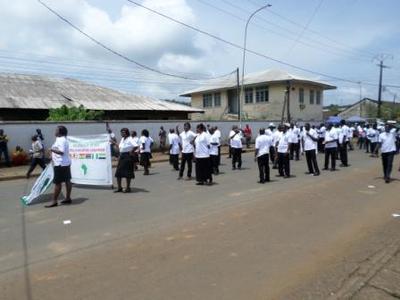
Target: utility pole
x=359 y=83
x=238 y=95
x=381 y=58
x=288 y=101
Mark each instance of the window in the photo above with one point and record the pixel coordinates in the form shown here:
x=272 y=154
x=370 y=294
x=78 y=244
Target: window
x=207 y=100
x=248 y=95
x=217 y=99
x=319 y=94
x=311 y=97
x=301 y=95
x=262 y=94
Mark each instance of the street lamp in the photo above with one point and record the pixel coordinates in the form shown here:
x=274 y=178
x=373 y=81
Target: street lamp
x=241 y=96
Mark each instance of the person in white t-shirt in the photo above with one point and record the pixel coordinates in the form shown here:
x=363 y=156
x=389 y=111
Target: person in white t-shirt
x=187 y=137
x=214 y=150
x=331 y=143
x=235 y=141
x=202 y=154
x=310 y=145
x=62 y=166
x=174 y=147
x=218 y=135
x=263 y=145
x=283 y=148
x=373 y=136
x=145 y=144
x=387 y=142
x=294 y=133
x=321 y=137
x=344 y=132
x=125 y=167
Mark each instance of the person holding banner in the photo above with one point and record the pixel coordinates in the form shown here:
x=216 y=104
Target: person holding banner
x=125 y=167
x=62 y=166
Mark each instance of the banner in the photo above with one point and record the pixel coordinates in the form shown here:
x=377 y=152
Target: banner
x=41 y=185
x=90 y=159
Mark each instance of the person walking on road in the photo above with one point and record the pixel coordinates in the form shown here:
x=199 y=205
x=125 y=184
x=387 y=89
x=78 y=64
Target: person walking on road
x=202 y=154
x=344 y=133
x=62 y=167
x=263 y=145
x=37 y=155
x=247 y=135
x=187 y=138
x=331 y=144
x=174 y=146
x=162 y=135
x=145 y=144
x=235 y=140
x=387 y=142
x=214 y=150
x=283 y=147
x=310 y=146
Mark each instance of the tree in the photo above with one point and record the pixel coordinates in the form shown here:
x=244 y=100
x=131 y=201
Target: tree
x=334 y=109
x=80 y=113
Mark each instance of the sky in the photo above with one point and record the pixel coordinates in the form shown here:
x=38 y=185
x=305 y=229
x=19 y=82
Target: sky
x=343 y=39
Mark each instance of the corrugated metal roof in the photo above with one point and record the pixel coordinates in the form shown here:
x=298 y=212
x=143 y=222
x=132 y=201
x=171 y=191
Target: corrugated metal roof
x=268 y=76
x=42 y=92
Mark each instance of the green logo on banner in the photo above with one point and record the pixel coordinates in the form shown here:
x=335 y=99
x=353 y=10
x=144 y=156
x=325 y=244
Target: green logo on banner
x=84 y=169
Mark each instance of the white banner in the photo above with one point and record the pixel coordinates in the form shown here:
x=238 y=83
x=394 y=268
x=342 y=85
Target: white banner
x=41 y=185
x=90 y=159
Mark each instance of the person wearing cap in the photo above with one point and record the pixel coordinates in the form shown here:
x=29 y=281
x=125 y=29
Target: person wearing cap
x=309 y=142
x=263 y=144
x=283 y=147
x=330 y=143
x=387 y=144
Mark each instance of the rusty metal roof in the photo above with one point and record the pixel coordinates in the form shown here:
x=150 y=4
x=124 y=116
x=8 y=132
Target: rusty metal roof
x=42 y=92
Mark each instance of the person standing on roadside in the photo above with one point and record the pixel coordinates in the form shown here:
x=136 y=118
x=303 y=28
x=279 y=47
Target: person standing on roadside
x=235 y=140
x=344 y=132
x=62 y=166
x=387 y=143
x=4 y=147
x=187 y=138
x=263 y=145
x=214 y=150
x=145 y=144
x=202 y=154
x=331 y=144
x=310 y=145
x=162 y=135
x=283 y=147
x=247 y=135
x=174 y=146
x=37 y=155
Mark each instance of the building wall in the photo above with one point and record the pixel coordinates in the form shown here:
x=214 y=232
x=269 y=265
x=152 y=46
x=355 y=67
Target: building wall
x=271 y=109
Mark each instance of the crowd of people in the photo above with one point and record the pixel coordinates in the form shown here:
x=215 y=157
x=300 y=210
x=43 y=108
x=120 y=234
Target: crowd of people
x=275 y=146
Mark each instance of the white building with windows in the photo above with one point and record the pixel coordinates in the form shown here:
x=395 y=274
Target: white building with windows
x=265 y=94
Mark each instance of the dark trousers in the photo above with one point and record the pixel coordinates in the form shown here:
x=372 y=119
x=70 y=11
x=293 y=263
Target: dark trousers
x=34 y=163
x=236 y=157
x=387 y=163
x=330 y=152
x=367 y=145
x=214 y=164
x=284 y=164
x=272 y=154
x=203 y=169
x=230 y=152
x=343 y=153
x=248 y=140
x=186 y=158
x=373 y=147
x=312 y=163
x=174 y=161
x=4 y=150
x=219 y=155
x=263 y=167
x=321 y=146
x=295 y=151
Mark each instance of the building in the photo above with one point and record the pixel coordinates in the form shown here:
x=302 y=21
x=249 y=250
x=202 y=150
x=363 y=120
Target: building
x=264 y=98
x=29 y=97
x=367 y=108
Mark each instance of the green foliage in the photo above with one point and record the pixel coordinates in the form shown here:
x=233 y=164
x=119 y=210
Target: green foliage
x=80 y=113
x=388 y=111
x=334 y=109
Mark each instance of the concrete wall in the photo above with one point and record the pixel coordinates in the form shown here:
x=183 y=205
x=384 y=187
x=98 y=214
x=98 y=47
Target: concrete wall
x=20 y=133
x=269 y=110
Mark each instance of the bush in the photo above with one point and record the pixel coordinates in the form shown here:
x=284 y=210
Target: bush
x=80 y=113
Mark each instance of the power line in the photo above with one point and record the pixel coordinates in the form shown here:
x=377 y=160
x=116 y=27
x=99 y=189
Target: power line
x=111 y=50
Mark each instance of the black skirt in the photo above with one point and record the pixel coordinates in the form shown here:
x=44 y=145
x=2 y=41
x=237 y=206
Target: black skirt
x=125 y=166
x=62 y=174
x=203 y=169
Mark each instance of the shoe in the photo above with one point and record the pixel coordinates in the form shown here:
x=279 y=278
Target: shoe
x=332 y=170
x=307 y=173
x=51 y=205
x=118 y=190
x=233 y=168
x=66 y=201
x=200 y=183
x=127 y=190
x=315 y=174
x=286 y=176
x=325 y=169
x=179 y=178
x=262 y=182
x=239 y=168
x=188 y=178
x=278 y=175
x=387 y=180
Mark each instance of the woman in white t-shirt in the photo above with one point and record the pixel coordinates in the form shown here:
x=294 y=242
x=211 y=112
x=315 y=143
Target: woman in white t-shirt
x=62 y=166
x=202 y=154
x=145 y=142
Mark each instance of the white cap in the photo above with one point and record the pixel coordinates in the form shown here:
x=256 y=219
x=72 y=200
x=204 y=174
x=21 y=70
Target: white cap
x=271 y=125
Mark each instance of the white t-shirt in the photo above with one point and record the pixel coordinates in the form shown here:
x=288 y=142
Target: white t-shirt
x=388 y=141
x=145 y=144
x=373 y=135
x=236 y=141
x=202 y=145
x=345 y=132
x=330 y=138
x=283 y=143
x=309 y=144
x=263 y=143
x=276 y=135
x=217 y=133
x=127 y=144
x=61 y=144
x=294 y=135
x=214 y=139
x=321 y=132
x=173 y=139
x=187 y=138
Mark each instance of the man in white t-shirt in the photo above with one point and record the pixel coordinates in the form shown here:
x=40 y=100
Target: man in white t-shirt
x=321 y=137
x=235 y=141
x=263 y=144
x=294 y=133
x=62 y=166
x=344 y=132
x=331 y=143
x=387 y=142
x=373 y=136
x=218 y=135
x=174 y=147
x=310 y=142
x=283 y=146
x=187 y=139
x=214 y=150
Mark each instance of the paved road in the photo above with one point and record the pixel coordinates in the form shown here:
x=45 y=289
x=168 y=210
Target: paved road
x=288 y=239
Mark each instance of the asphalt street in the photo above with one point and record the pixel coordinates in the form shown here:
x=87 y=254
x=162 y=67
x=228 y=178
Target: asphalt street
x=291 y=238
